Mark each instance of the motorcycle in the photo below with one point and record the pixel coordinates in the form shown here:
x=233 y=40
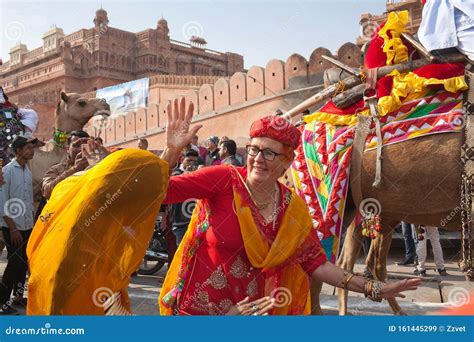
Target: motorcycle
x=156 y=254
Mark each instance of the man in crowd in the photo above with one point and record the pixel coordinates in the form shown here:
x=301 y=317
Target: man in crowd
x=432 y=233
x=202 y=149
x=180 y=213
x=212 y=157
x=143 y=144
x=74 y=162
x=16 y=219
x=227 y=151
x=410 y=249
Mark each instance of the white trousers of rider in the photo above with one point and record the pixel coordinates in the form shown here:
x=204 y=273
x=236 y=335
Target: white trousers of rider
x=421 y=249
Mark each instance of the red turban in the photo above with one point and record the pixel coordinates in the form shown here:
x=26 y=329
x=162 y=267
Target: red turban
x=276 y=128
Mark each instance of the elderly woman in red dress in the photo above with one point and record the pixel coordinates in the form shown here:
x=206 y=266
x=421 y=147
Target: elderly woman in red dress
x=250 y=247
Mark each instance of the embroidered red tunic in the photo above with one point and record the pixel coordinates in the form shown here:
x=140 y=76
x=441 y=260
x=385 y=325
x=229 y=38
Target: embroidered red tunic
x=221 y=274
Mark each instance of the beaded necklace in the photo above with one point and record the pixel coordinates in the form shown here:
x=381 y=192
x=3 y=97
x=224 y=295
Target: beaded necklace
x=261 y=207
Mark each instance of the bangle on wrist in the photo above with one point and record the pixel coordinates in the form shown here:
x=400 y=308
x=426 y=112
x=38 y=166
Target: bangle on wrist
x=345 y=281
x=373 y=290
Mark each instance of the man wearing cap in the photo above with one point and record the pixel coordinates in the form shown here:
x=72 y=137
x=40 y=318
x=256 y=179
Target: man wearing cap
x=16 y=219
x=212 y=157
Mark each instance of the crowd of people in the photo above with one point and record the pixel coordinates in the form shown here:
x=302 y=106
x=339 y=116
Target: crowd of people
x=248 y=236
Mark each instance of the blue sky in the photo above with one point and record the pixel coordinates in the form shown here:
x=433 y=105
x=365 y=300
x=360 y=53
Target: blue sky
x=259 y=30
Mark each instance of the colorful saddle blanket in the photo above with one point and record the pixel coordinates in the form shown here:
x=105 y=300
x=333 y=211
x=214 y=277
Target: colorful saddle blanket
x=415 y=104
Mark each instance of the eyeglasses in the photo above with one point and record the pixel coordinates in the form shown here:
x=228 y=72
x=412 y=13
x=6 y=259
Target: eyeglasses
x=266 y=152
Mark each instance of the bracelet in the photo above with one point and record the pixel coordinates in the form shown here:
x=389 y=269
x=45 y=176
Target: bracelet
x=345 y=281
x=373 y=290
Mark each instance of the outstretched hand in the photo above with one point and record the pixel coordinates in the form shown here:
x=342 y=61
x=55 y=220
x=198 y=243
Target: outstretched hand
x=395 y=289
x=178 y=134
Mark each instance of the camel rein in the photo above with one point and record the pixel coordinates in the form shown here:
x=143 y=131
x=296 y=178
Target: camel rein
x=361 y=131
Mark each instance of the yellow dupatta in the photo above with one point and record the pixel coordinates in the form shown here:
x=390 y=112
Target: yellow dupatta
x=293 y=231
x=93 y=233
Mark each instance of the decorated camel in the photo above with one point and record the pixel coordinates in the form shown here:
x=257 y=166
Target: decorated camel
x=394 y=155
x=72 y=113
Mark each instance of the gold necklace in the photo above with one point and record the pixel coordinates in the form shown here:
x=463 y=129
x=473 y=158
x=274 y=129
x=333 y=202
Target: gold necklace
x=263 y=206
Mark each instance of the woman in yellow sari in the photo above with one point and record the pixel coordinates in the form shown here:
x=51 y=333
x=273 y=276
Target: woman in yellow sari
x=94 y=230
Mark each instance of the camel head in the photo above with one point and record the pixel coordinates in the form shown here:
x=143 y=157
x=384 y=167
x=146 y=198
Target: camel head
x=74 y=111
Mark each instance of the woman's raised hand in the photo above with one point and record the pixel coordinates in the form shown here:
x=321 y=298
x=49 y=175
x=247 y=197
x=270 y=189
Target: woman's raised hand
x=178 y=133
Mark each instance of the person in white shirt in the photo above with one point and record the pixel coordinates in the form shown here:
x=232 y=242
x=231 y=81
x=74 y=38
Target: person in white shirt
x=448 y=24
x=16 y=219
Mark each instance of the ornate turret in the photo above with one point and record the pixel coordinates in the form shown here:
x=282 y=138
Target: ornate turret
x=162 y=28
x=101 y=19
x=16 y=54
x=51 y=38
x=198 y=42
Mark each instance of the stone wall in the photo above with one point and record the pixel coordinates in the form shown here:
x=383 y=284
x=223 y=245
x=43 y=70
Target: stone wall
x=227 y=106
